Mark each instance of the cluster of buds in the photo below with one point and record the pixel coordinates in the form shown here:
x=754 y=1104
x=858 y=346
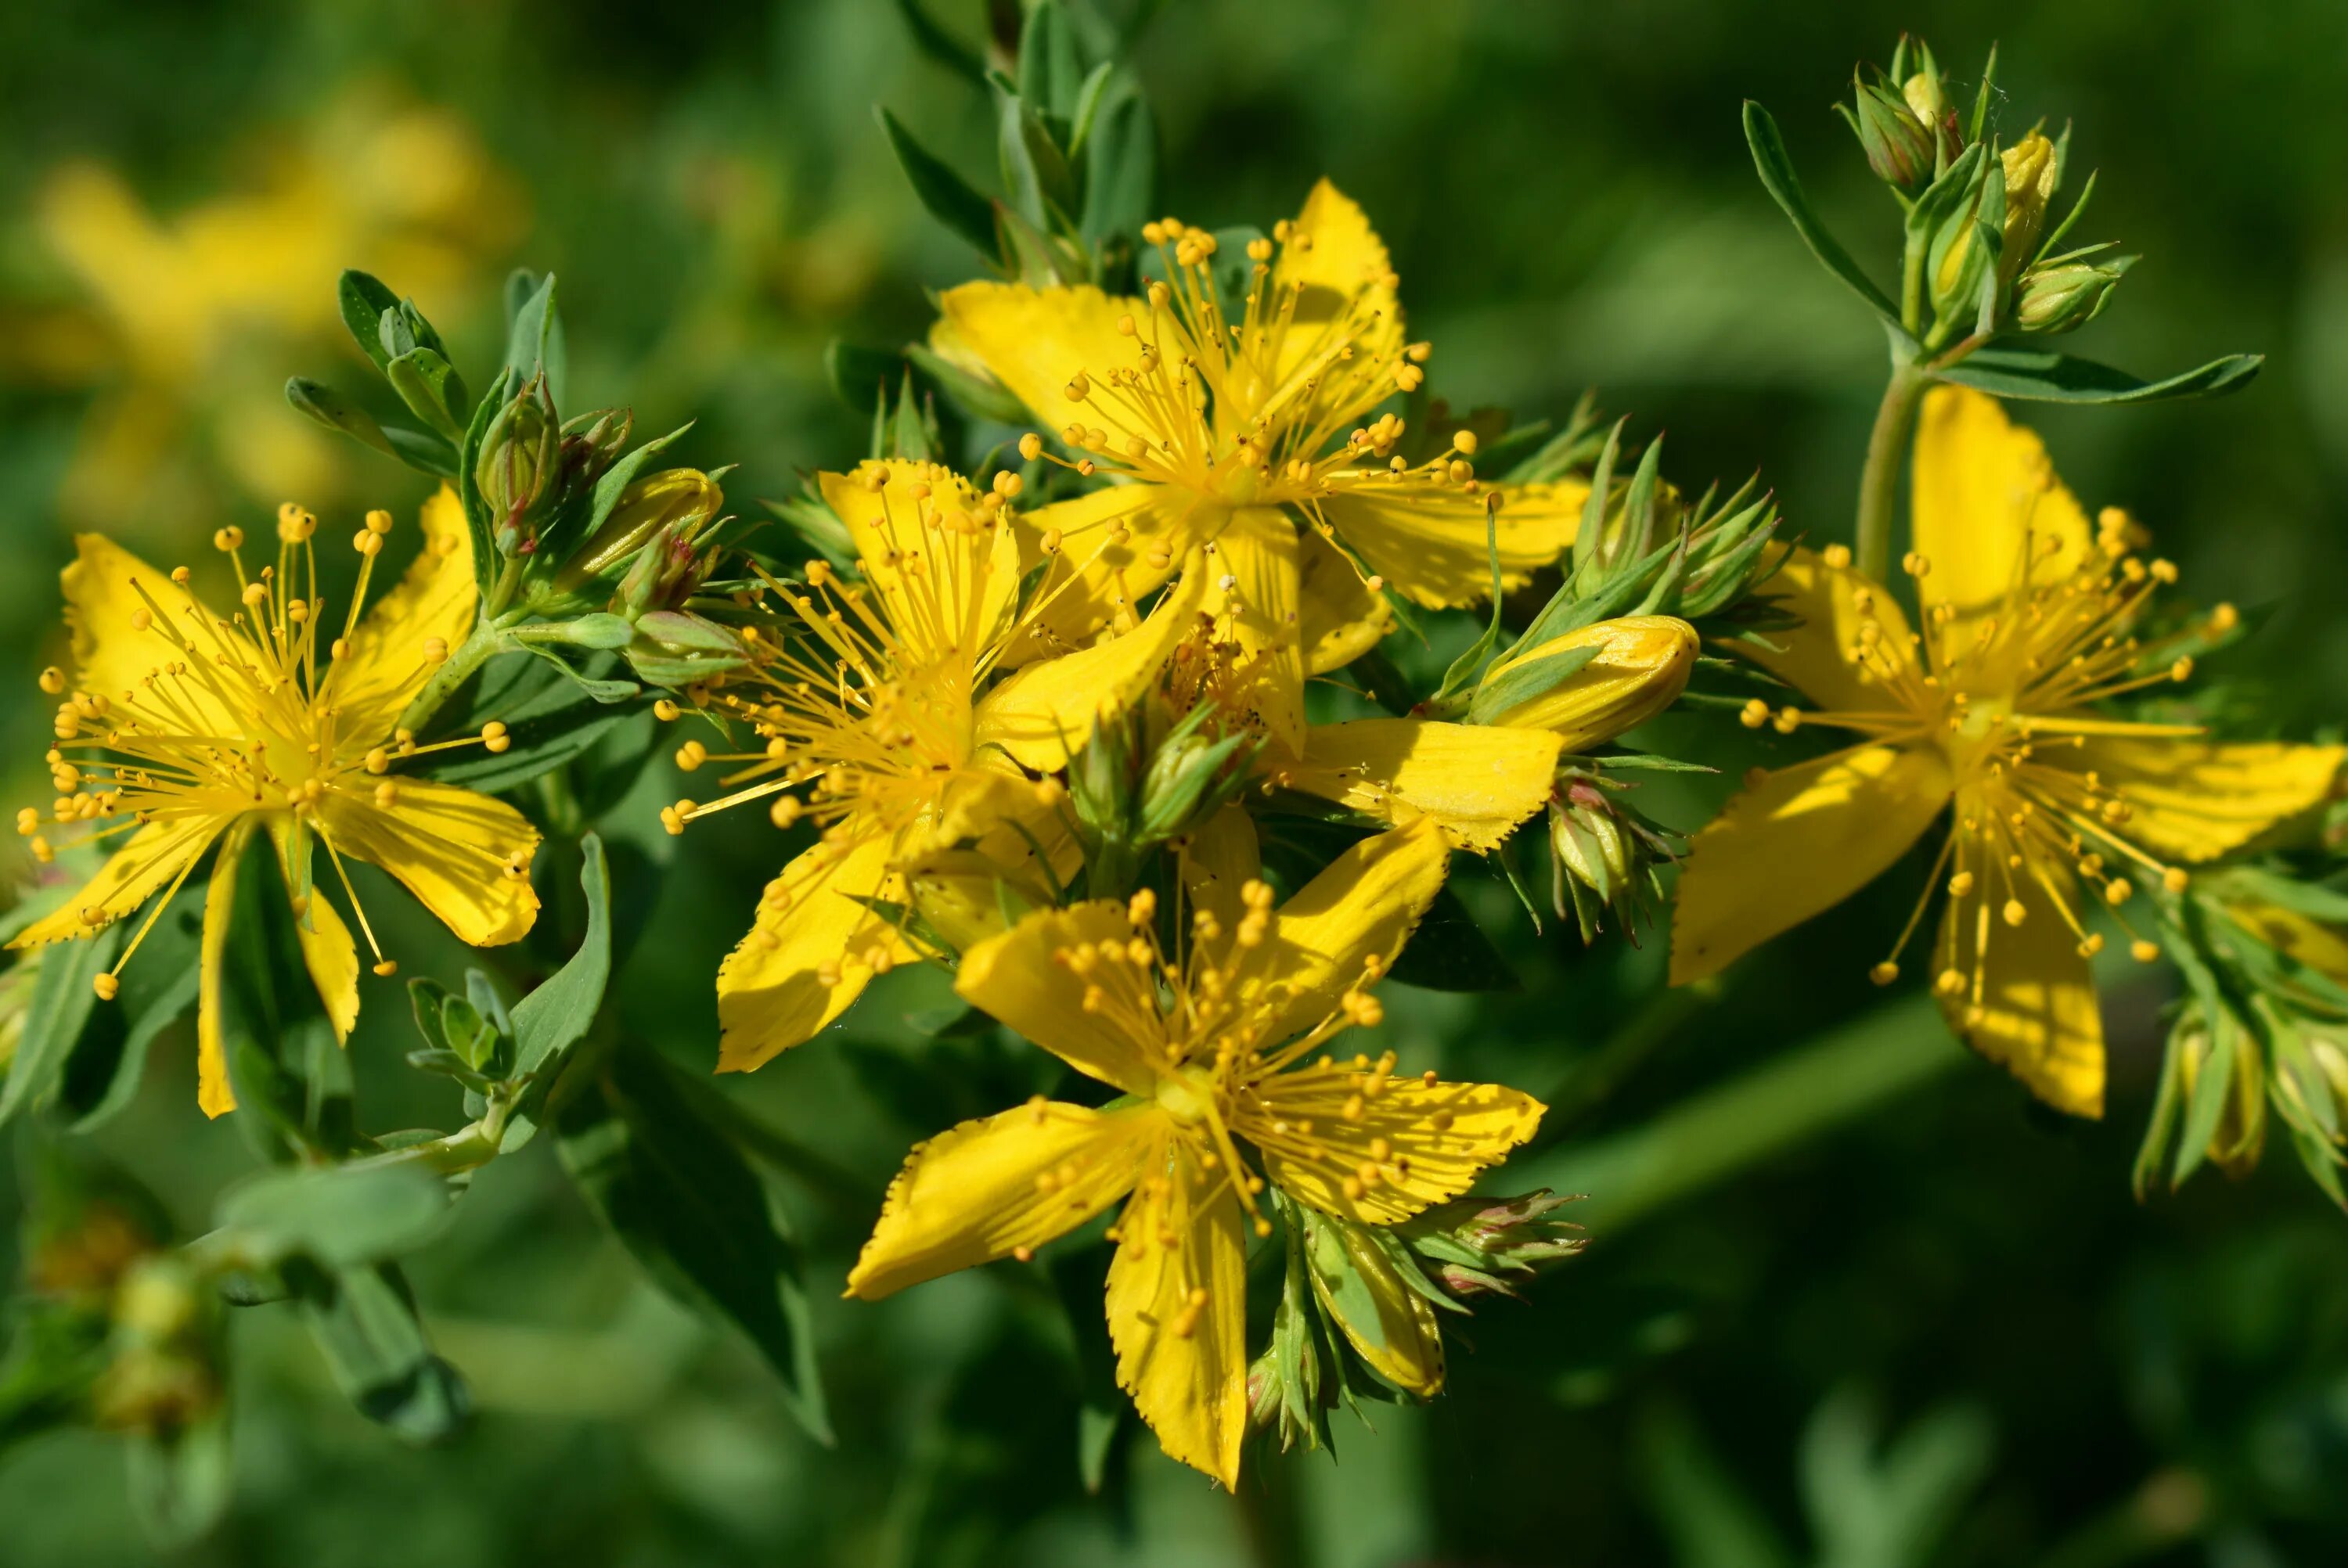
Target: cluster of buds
x=1979 y=259
x=1144 y=780
x=1487 y=1247
x=1606 y=856
x=2262 y=1037
x=536 y=471
x=1359 y=1297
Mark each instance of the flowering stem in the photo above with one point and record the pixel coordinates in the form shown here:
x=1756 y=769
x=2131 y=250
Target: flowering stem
x=1775 y=1107
x=488 y=637
x=1879 y=482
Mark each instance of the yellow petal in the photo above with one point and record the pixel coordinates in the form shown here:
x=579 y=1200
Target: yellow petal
x=214 y=1097
x=383 y=664
x=327 y=950
x=1176 y=1311
x=464 y=856
x=771 y=993
x=1097 y=583
x=1430 y=541
x=145 y=865
x=2030 y=1001
x=1828 y=658
x=1478 y=782
x=1017 y=977
x=1986 y=503
x=1035 y=341
x=107 y=590
x=1219 y=860
x=1338 y=619
x=2195 y=799
x=1342 y=274
x=1374 y=1149
x=942 y=588
x=1641 y=666
x=1801 y=841
x=1044 y=711
x=971 y=891
x=1363 y=907
x=993 y=1186
x=1252 y=573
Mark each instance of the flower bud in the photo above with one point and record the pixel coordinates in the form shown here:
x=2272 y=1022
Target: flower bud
x=1640 y=665
x=1481 y=1247
x=2059 y=299
x=1899 y=146
x=2239 y=1135
x=1357 y=1276
x=1959 y=259
x=1928 y=100
x=519 y=462
x=682 y=500
x=2032 y=168
x=675 y=648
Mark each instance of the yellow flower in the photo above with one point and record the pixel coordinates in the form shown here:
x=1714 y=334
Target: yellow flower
x=1220 y=430
x=1206 y=1051
x=869 y=701
x=184 y=728
x=182 y=308
x=1477 y=782
x=1990 y=713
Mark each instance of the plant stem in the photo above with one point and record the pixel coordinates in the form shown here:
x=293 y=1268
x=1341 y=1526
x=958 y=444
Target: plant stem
x=1879 y=482
x=488 y=637
x=1854 y=1068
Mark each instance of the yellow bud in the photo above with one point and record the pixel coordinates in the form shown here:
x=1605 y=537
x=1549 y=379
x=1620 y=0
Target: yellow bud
x=2030 y=170
x=1641 y=666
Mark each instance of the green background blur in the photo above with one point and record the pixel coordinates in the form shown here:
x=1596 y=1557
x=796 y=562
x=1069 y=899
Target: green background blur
x=2062 y=1377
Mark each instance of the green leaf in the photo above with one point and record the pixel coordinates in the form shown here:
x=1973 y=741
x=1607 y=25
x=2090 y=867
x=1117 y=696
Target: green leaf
x=180 y=1480
x=1120 y=161
x=103 y=1070
x=1050 y=75
x=556 y=1015
x=534 y=341
x=690 y=1208
x=1450 y=952
x=364 y=299
x=431 y=387
x=1076 y=1277
x=364 y=1324
x=337 y=1216
x=422 y=451
x=942 y=45
x=1785 y=187
x=982 y=398
x=551 y=714
x=945 y=195
x=59 y=1009
x=323 y=405
x=479 y=524
x=2044 y=376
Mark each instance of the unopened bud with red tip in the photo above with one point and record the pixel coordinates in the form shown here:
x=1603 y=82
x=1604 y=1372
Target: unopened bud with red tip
x=1486 y=1246
x=1900 y=146
x=680 y=501
x=520 y=460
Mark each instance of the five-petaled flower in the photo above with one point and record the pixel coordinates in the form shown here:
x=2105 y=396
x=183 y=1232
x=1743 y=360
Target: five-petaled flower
x=181 y=728
x=1990 y=712
x=877 y=722
x=1209 y=1051
x=1223 y=419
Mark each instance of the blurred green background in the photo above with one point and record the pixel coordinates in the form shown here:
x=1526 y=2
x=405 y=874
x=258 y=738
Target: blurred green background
x=1937 y=1331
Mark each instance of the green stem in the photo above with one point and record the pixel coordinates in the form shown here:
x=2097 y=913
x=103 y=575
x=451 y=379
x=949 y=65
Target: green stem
x=488 y=637
x=1856 y=1068
x=1879 y=482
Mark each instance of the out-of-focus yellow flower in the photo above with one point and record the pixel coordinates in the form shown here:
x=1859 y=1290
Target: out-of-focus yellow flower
x=1206 y=1047
x=186 y=314
x=871 y=700
x=1989 y=715
x=181 y=729
x=1222 y=428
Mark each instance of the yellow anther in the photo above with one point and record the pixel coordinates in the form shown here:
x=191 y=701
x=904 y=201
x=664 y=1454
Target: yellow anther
x=436 y=650
x=228 y=538
x=2092 y=946
x=1837 y=557
x=1950 y=983
x=2015 y=912
x=107 y=987
x=1961 y=885
x=691 y=755
x=53 y=680
x=2224 y=618
x=1079 y=387
x=494 y=736
x=2173 y=878
x=181 y=576
x=387 y=795
x=2182 y=670
x=1753 y=714
x=1031 y=446
x=2143 y=951
x=1884 y=973
x=386 y=968
x=255 y=594
x=666 y=711
x=1915 y=564
x=2116 y=891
